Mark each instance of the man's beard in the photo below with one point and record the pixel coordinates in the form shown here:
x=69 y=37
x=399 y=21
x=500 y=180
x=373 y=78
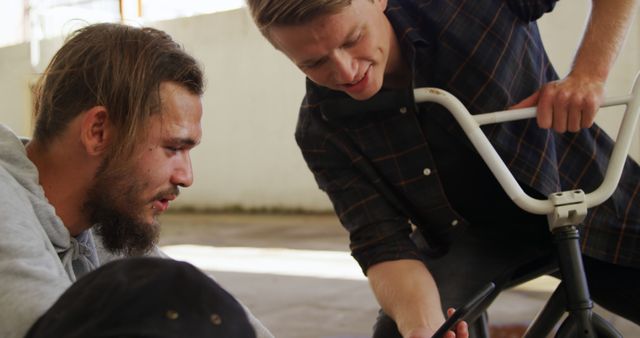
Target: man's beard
x=115 y=207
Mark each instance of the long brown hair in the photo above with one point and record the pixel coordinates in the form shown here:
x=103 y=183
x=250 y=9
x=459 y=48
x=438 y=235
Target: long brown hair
x=116 y=66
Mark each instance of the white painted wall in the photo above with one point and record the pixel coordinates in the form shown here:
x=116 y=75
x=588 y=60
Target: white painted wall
x=248 y=157
x=15 y=77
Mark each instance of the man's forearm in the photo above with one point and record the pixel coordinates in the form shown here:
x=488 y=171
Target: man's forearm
x=572 y=103
x=603 y=38
x=407 y=293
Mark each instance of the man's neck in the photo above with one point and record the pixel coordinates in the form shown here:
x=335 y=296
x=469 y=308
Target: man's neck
x=398 y=80
x=398 y=73
x=63 y=181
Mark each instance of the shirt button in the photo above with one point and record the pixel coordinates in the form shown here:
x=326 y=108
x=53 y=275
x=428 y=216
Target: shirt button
x=403 y=110
x=172 y=314
x=454 y=222
x=426 y=172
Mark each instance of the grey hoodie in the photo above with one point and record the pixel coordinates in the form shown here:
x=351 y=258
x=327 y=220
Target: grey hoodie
x=38 y=258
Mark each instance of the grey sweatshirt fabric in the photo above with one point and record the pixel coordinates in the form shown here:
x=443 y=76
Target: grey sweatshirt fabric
x=38 y=258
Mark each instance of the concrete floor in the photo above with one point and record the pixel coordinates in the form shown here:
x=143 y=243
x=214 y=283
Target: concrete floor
x=295 y=273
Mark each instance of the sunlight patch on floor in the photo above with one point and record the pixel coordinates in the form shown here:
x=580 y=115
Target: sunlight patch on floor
x=293 y=262
x=277 y=261
x=540 y=284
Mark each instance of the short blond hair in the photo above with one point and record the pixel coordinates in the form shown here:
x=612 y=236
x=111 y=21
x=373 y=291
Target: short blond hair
x=270 y=13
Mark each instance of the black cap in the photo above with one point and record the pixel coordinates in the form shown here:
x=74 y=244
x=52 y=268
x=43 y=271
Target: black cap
x=145 y=297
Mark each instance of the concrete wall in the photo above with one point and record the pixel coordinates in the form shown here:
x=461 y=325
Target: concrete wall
x=248 y=157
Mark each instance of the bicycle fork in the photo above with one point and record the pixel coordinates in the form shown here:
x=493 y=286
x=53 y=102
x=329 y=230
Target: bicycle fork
x=572 y=295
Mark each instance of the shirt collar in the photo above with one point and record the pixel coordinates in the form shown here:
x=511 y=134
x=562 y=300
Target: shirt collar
x=338 y=106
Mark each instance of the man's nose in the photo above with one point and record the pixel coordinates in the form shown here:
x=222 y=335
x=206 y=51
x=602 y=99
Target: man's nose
x=183 y=173
x=344 y=66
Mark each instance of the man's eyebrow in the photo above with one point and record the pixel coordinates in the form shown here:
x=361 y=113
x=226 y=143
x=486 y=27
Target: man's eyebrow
x=310 y=62
x=183 y=141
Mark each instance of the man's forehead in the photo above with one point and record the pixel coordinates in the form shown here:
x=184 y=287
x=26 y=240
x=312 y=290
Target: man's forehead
x=179 y=119
x=313 y=37
x=163 y=133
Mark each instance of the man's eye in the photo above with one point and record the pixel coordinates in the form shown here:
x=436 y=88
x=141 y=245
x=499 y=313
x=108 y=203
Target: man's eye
x=352 y=42
x=314 y=64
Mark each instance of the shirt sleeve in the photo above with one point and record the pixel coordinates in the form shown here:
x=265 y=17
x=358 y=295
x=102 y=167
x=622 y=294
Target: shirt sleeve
x=378 y=232
x=531 y=10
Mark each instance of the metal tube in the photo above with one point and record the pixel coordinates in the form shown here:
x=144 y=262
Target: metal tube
x=471 y=126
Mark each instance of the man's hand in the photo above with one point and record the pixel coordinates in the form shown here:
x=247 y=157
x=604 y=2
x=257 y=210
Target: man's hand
x=461 y=330
x=566 y=105
x=571 y=103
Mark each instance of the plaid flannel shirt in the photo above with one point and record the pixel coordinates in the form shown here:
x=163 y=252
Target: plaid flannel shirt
x=376 y=164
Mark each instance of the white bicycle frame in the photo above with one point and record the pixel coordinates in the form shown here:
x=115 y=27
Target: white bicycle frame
x=564 y=209
x=471 y=126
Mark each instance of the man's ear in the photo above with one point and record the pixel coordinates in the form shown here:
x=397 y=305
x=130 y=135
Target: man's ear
x=95 y=130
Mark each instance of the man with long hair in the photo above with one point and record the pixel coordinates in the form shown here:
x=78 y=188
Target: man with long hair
x=118 y=110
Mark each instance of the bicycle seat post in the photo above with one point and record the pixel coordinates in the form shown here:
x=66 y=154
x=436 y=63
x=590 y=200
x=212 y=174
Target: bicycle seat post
x=570 y=209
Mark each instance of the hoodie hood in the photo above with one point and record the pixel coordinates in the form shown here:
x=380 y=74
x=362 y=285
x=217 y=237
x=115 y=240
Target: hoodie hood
x=14 y=160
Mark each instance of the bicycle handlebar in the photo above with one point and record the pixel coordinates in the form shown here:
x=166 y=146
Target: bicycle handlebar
x=471 y=126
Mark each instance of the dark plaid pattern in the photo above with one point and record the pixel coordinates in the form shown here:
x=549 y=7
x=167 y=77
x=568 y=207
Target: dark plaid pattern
x=376 y=162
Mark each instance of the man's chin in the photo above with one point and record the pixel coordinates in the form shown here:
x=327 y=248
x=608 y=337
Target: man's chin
x=130 y=250
x=129 y=239
x=361 y=96
x=366 y=93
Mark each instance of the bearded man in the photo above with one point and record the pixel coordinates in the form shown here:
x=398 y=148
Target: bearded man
x=118 y=111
